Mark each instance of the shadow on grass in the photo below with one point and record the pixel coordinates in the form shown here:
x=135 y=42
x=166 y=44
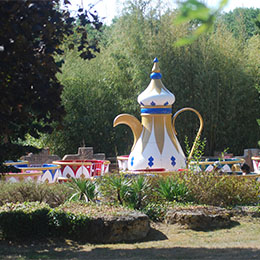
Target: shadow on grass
x=154 y=235
x=67 y=249
x=230 y=225
x=78 y=252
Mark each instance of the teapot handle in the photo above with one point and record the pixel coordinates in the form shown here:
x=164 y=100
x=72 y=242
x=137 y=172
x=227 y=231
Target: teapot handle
x=200 y=129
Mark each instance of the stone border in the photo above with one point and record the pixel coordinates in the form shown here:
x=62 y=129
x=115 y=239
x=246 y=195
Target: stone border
x=129 y=228
x=200 y=218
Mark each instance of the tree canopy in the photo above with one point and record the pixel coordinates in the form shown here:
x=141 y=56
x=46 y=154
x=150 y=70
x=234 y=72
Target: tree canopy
x=31 y=37
x=242 y=22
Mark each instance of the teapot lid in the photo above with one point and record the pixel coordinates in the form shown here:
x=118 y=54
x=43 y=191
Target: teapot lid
x=156 y=94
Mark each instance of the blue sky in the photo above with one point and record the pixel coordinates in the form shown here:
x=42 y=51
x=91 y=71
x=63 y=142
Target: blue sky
x=110 y=8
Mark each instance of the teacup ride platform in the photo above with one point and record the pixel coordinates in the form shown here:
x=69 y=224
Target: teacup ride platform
x=227 y=167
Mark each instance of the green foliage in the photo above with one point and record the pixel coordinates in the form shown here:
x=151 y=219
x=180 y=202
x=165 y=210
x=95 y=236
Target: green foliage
x=68 y=225
x=198 y=151
x=27 y=220
x=145 y=193
x=53 y=195
x=258 y=121
x=115 y=187
x=82 y=189
x=131 y=191
x=193 y=10
x=39 y=143
x=211 y=77
x=214 y=189
x=139 y=189
x=155 y=211
x=241 y=22
x=171 y=189
x=151 y=195
x=89 y=115
x=34 y=220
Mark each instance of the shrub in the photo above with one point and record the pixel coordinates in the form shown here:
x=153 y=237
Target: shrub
x=26 y=220
x=222 y=190
x=54 y=195
x=133 y=191
x=82 y=189
x=138 y=191
x=57 y=194
x=115 y=187
x=171 y=189
x=72 y=220
x=155 y=211
x=68 y=225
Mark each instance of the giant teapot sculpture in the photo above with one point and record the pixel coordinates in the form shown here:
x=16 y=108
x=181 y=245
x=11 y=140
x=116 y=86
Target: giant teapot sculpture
x=155 y=143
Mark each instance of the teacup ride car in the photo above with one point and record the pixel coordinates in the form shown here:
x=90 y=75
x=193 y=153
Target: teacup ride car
x=83 y=168
x=19 y=162
x=217 y=164
x=19 y=177
x=226 y=167
x=256 y=164
x=41 y=173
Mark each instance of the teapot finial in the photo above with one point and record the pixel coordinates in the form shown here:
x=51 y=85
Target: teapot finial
x=156 y=70
x=156 y=94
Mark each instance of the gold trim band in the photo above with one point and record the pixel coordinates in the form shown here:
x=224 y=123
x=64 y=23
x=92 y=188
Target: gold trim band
x=156 y=106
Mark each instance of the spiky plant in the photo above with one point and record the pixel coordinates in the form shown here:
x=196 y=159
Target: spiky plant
x=83 y=189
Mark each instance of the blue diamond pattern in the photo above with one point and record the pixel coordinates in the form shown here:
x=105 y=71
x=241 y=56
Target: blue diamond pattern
x=173 y=161
x=152 y=103
x=142 y=103
x=150 y=159
x=166 y=103
x=132 y=161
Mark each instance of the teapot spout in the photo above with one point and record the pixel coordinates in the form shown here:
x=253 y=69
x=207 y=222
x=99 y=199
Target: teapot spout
x=132 y=122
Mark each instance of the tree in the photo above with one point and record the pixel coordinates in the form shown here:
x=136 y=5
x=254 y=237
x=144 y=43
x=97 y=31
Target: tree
x=32 y=33
x=241 y=20
x=197 y=10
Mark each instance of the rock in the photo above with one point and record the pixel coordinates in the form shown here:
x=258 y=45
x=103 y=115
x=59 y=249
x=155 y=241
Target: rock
x=241 y=211
x=127 y=228
x=200 y=218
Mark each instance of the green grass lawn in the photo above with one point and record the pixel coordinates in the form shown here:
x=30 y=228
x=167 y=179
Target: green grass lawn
x=163 y=242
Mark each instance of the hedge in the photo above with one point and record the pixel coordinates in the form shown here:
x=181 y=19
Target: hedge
x=31 y=220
